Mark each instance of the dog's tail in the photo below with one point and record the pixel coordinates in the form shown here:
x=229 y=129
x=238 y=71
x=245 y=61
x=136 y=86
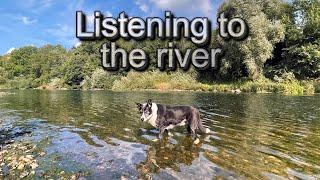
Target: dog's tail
x=202 y=128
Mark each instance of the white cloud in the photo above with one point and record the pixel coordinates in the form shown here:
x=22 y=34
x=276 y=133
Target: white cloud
x=191 y=7
x=47 y=3
x=27 y=21
x=142 y=5
x=64 y=33
x=42 y=5
x=10 y=50
x=61 y=31
x=37 y=6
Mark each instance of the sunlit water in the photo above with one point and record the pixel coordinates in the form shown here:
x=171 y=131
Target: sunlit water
x=256 y=136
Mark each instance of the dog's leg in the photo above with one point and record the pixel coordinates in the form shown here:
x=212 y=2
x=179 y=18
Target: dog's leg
x=194 y=134
x=161 y=131
x=168 y=132
x=189 y=129
x=192 y=127
x=192 y=131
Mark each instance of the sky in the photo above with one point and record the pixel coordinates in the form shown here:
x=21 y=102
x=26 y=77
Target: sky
x=41 y=22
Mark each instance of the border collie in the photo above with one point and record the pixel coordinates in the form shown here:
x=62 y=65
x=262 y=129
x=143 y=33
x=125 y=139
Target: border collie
x=167 y=117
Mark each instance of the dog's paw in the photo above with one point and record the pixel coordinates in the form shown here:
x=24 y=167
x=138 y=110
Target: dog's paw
x=207 y=131
x=197 y=141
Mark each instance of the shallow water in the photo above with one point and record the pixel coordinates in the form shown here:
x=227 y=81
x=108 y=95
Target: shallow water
x=253 y=135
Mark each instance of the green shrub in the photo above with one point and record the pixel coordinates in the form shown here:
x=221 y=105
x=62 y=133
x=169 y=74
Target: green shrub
x=22 y=83
x=309 y=87
x=293 y=88
x=158 y=80
x=316 y=85
x=102 y=80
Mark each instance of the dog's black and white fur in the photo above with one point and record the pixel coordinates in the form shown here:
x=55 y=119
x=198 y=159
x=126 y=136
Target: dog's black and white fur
x=167 y=117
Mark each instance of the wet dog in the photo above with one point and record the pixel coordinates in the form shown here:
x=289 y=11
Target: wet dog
x=167 y=117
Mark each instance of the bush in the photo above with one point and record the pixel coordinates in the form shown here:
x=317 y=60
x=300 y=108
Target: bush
x=305 y=60
x=2 y=80
x=309 y=87
x=22 y=83
x=316 y=85
x=264 y=85
x=102 y=80
x=158 y=80
x=56 y=83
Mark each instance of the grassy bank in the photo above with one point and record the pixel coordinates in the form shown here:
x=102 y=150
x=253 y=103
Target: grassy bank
x=177 y=81
x=182 y=81
x=159 y=81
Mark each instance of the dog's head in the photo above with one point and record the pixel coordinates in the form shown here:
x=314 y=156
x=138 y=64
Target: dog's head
x=146 y=110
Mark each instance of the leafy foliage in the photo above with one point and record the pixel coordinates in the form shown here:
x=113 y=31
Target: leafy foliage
x=247 y=58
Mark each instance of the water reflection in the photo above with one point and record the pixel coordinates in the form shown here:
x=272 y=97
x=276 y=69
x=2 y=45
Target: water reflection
x=254 y=136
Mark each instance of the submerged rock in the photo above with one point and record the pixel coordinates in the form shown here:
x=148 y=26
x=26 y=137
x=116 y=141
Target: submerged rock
x=21 y=166
x=4 y=170
x=24 y=174
x=34 y=165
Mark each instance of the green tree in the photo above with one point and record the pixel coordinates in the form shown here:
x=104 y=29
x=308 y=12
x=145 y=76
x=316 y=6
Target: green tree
x=247 y=58
x=46 y=63
x=74 y=69
x=301 y=54
x=18 y=63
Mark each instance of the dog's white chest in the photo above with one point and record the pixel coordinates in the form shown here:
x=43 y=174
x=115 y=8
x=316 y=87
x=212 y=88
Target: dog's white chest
x=154 y=116
x=153 y=120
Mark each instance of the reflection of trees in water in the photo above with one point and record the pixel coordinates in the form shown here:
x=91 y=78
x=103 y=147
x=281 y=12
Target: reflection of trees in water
x=164 y=155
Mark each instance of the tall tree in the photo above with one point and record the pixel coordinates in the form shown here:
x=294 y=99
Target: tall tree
x=302 y=54
x=246 y=58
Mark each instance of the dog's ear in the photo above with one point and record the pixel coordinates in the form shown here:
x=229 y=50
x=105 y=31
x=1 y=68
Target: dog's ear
x=139 y=106
x=150 y=102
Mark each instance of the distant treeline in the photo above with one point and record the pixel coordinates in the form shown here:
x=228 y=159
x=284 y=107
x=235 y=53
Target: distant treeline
x=283 y=46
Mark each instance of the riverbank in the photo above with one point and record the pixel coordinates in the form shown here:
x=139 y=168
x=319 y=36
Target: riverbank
x=179 y=81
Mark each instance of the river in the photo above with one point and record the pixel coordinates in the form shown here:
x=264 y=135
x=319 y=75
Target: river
x=255 y=136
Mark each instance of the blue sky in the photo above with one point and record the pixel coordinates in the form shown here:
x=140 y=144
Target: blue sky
x=40 y=22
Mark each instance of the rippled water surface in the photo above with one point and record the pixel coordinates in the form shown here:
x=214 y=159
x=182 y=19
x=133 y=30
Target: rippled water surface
x=256 y=136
